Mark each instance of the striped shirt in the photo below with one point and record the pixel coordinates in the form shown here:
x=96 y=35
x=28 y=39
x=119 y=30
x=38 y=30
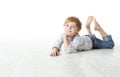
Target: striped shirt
x=75 y=44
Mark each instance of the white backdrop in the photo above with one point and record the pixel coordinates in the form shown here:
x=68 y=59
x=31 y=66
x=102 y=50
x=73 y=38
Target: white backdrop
x=44 y=18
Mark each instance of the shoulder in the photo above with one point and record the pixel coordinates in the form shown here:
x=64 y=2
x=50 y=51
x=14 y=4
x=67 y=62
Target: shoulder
x=77 y=38
x=60 y=36
x=77 y=35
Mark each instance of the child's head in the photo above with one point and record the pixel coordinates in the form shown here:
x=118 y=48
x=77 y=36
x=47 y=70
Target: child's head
x=72 y=26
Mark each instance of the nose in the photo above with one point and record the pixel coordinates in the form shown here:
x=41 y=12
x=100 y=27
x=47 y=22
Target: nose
x=69 y=27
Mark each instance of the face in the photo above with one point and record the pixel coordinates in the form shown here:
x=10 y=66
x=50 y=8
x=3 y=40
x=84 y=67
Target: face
x=70 y=29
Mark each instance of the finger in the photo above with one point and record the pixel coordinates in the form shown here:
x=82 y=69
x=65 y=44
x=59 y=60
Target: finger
x=53 y=54
x=57 y=53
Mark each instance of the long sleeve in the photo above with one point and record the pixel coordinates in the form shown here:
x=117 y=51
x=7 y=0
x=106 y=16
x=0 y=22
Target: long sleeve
x=58 y=43
x=79 y=43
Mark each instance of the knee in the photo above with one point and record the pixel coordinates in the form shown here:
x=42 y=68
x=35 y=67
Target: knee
x=111 y=45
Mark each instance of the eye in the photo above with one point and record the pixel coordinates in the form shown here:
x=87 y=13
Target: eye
x=73 y=26
x=67 y=25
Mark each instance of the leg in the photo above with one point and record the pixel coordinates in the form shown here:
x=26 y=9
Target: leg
x=88 y=22
x=107 y=41
x=98 y=28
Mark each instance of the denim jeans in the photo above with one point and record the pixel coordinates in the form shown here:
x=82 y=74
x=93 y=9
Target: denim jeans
x=106 y=43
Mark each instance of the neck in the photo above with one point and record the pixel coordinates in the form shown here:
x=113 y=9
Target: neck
x=69 y=37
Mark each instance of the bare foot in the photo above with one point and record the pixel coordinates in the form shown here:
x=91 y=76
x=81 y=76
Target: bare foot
x=97 y=26
x=88 y=22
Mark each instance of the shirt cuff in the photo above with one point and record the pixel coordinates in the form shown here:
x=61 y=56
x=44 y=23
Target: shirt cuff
x=57 y=48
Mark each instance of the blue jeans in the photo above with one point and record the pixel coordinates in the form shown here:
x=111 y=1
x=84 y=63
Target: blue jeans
x=106 y=43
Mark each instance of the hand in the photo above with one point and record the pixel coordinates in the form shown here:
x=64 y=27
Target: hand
x=54 y=52
x=65 y=37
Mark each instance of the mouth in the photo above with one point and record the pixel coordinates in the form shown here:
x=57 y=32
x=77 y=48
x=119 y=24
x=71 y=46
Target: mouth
x=69 y=31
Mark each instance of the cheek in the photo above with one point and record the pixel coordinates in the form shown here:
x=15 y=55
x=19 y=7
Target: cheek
x=74 y=30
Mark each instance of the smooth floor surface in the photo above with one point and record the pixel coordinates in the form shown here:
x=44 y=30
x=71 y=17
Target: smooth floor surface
x=30 y=58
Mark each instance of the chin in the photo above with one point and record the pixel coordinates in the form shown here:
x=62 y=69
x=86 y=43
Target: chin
x=69 y=35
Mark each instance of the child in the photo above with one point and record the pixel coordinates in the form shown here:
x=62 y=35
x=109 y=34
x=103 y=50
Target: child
x=73 y=42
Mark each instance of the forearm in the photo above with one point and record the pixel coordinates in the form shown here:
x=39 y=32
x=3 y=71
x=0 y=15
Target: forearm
x=65 y=42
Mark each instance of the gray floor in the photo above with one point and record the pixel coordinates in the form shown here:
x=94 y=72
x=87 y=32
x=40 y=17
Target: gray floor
x=29 y=58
